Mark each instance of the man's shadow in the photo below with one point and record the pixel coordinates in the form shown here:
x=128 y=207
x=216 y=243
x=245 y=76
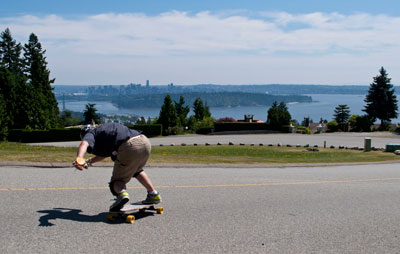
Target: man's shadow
x=76 y=215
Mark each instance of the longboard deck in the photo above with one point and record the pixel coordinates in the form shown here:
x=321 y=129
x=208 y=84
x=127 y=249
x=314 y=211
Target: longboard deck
x=135 y=206
x=130 y=208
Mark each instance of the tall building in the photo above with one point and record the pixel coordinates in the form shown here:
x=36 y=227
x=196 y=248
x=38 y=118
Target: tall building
x=147 y=83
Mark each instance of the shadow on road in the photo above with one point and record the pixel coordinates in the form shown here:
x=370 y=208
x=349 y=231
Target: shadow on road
x=76 y=215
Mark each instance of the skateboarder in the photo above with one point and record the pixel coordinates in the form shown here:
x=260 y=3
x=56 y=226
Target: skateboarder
x=128 y=149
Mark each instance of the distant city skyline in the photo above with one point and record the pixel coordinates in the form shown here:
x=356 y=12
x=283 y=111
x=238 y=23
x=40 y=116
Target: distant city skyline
x=211 y=42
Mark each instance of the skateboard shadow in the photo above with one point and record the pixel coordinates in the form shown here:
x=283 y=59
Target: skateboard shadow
x=76 y=215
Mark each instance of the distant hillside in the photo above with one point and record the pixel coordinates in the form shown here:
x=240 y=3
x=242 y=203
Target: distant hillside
x=273 y=89
x=226 y=99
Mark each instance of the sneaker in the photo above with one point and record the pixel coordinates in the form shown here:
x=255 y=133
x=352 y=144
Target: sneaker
x=152 y=199
x=122 y=199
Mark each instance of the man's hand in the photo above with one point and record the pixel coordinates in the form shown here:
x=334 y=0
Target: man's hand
x=80 y=163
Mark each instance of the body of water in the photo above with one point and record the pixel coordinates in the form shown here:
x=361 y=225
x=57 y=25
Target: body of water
x=323 y=106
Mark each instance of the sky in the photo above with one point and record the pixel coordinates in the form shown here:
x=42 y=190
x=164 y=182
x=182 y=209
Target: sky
x=341 y=42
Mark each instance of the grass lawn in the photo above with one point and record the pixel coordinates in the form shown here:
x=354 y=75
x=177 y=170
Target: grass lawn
x=262 y=154
x=204 y=154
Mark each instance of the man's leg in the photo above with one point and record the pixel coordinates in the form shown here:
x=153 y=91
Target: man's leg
x=153 y=197
x=119 y=187
x=145 y=181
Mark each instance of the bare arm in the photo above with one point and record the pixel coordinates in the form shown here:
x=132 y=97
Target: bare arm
x=96 y=159
x=82 y=149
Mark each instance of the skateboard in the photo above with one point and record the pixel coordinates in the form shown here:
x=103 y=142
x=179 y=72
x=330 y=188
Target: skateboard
x=127 y=210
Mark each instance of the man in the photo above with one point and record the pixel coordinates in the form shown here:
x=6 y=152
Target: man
x=128 y=149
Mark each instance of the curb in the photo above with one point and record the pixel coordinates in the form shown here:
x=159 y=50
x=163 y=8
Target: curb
x=177 y=165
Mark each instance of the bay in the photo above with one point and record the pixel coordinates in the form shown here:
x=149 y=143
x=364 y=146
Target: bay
x=323 y=106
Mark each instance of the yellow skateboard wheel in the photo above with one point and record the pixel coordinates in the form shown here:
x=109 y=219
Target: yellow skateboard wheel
x=160 y=210
x=110 y=217
x=130 y=219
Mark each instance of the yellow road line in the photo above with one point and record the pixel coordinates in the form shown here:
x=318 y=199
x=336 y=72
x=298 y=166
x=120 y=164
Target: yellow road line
x=212 y=185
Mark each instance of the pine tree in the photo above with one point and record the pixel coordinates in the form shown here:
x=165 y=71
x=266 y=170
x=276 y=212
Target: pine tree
x=272 y=116
x=200 y=110
x=168 y=117
x=381 y=100
x=181 y=111
x=12 y=81
x=278 y=116
x=3 y=119
x=284 y=115
x=42 y=99
x=10 y=53
x=90 y=114
x=341 y=115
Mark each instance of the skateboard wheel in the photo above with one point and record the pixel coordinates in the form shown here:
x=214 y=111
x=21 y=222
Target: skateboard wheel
x=160 y=210
x=110 y=217
x=130 y=219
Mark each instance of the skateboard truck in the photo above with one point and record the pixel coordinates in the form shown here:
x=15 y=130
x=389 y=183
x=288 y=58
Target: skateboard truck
x=130 y=208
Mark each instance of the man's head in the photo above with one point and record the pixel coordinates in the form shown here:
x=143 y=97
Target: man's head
x=85 y=129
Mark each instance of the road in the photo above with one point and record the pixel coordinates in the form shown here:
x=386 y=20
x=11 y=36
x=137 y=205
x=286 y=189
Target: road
x=379 y=139
x=332 y=209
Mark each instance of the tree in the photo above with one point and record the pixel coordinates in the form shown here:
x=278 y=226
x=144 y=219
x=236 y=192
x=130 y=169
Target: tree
x=3 y=119
x=10 y=53
x=12 y=81
x=42 y=99
x=200 y=110
x=9 y=95
x=306 y=121
x=168 y=117
x=90 y=114
x=181 y=111
x=381 y=100
x=67 y=119
x=341 y=116
x=278 y=116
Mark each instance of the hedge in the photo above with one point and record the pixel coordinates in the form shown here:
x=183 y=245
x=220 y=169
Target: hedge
x=70 y=134
x=150 y=130
x=52 y=135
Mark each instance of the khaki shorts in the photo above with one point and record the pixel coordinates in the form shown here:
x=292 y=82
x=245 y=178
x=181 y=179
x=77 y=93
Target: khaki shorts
x=131 y=158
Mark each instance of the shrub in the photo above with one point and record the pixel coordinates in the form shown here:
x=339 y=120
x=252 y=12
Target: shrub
x=204 y=126
x=226 y=120
x=303 y=130
x=360 y=123
x=332 y=126
x=174 y=130
x=397 y=130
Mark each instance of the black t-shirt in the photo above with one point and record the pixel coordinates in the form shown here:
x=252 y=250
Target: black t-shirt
x=106 y=138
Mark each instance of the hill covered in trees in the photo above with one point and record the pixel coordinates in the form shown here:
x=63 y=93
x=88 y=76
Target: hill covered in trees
x=216 y=99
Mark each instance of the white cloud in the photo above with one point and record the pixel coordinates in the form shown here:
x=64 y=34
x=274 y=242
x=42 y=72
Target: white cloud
x=201 y=40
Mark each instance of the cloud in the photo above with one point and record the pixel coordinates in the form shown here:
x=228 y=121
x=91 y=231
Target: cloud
x=281 y=36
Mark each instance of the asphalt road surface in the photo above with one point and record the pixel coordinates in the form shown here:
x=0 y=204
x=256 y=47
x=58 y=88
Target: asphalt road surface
x=333 y=209
x=378 y=139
